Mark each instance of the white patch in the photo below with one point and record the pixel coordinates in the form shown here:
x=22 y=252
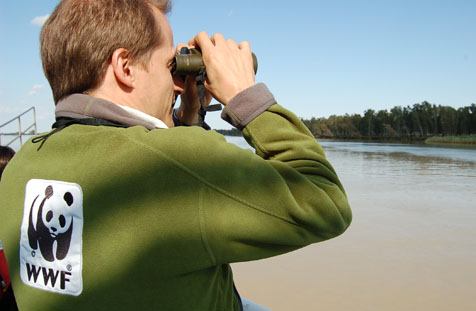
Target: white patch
x=52 y=237
x=40 y=20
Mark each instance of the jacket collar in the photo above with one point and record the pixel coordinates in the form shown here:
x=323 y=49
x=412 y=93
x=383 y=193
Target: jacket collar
x=81 y=106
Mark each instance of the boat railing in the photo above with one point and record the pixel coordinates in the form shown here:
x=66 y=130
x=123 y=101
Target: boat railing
x=18 y=135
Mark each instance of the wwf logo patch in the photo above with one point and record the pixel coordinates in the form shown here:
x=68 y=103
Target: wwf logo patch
x=51 y=237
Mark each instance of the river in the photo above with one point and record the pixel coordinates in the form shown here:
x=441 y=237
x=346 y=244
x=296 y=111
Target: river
x=411 y=245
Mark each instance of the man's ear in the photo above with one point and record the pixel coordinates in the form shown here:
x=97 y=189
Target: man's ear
x=121 y=64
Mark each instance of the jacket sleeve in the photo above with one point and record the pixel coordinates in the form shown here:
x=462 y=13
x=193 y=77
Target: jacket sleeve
x=284 y=197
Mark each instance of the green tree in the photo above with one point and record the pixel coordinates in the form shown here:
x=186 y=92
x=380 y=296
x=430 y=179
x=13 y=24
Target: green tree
x=396 y=119
x=472 y=122
x=367 y=125
x=448 y=120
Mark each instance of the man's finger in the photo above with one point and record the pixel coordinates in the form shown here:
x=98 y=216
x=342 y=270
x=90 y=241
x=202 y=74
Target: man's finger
x=244 y=46
x=203 y=41
x=218 y=39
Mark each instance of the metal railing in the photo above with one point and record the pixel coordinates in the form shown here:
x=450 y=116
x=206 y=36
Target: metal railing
x=18 y=135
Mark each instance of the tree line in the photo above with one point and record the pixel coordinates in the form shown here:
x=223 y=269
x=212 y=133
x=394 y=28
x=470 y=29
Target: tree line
x=418 y=122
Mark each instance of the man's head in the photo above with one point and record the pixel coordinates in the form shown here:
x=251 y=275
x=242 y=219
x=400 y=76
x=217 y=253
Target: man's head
x=81 y=36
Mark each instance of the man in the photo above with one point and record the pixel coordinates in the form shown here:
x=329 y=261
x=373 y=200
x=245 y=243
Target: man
x=117 y=209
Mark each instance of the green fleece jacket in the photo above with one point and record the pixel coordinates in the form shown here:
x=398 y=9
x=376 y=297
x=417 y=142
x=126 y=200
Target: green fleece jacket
x=131 y=218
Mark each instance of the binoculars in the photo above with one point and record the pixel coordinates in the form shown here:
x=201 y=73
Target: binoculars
x=190 y=62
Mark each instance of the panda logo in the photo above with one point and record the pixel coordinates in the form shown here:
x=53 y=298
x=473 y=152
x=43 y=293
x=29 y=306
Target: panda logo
x=51 y=239
x=53 y=230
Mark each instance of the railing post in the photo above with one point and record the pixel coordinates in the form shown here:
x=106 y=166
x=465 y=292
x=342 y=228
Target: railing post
x=34 y=120
x=19 y=131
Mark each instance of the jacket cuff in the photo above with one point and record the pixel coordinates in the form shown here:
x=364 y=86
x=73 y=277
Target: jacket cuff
x=247 y=105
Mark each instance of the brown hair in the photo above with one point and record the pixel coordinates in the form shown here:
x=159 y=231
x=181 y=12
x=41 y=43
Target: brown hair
x=80 y=36
x=6 y=154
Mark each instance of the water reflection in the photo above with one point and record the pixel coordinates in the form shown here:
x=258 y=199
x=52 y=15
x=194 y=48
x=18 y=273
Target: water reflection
x=405 y=164
x=459 y=154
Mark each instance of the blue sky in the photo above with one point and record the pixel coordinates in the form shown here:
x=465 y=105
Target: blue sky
x=319 y=58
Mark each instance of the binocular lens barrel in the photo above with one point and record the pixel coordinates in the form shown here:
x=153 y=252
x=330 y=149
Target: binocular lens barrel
x=190 y=62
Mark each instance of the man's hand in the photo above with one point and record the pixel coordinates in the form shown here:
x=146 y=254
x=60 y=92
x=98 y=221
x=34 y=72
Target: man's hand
x=229 y=65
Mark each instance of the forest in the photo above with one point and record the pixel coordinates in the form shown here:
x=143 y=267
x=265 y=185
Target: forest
x=416 y=122
x=419 y=122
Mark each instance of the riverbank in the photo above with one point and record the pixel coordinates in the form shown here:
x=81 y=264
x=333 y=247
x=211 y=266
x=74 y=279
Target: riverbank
x=458 y=140
x=467 y=141
x=386 y=140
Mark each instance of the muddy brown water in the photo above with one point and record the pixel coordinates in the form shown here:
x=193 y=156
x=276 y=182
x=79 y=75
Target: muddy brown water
x=411 y=246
